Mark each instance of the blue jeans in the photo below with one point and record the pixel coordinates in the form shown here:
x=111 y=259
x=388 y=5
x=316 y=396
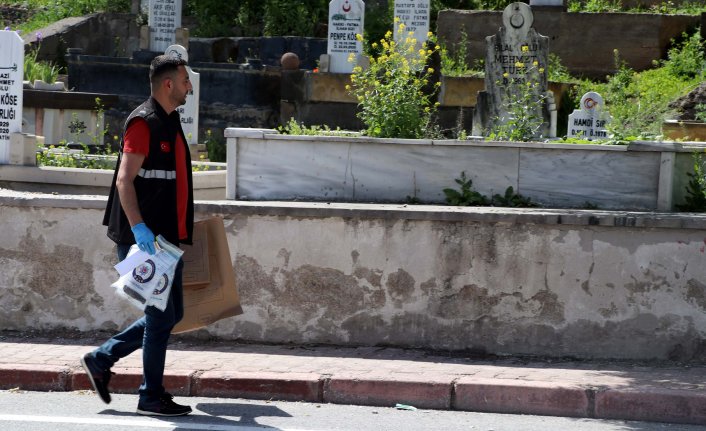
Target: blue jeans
x=151 y=332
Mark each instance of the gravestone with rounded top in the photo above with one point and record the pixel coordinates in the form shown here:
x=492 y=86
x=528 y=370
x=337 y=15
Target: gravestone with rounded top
x=590 y=120
x=345 y=21
x=414 y=14
x=11 y=73
x=163 y=19
x=188 y=112
x=515 y=64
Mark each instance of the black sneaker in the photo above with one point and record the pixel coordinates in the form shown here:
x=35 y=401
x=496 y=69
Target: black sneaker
x=164 y=406
x=99 y=377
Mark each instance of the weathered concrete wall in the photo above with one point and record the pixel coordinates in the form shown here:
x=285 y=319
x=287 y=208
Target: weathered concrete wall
x=589 y=284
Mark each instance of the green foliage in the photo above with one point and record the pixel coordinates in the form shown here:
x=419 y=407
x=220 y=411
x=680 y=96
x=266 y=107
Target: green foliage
x=466 y=196
x=686 y=7
x=511 y=199
x=292 y=127
x=455 y=64
x=49 y=11
x=520 y=102
x=214 y=17
x=556 y=71
x=65 y=157
x=287 y=18
x=639 y=102
x=391 y=92
x=594 y=6
x=39 y=70
x=686 y=59
x=700 y=112
x=216 y=147
x=695 y=200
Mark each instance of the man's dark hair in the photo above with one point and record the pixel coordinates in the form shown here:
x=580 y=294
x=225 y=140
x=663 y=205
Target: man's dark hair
x=164 y=65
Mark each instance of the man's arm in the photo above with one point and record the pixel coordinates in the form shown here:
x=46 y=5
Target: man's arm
x=129 y=167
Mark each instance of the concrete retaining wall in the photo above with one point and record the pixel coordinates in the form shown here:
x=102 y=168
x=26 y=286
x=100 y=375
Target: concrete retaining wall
x=582 y=283
x=266 y=165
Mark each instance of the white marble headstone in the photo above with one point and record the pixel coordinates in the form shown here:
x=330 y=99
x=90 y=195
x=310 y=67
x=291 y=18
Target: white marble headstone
x=12 y=49
x=163 y=20
x=414 y=14
x=590 y=121
x=345 y=20
x=188 y=112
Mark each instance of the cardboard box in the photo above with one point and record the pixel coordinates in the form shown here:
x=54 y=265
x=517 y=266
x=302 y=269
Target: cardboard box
x=208 y=302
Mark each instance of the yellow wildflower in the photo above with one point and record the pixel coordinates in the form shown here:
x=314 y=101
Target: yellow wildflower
x=525 y=48
x=519 y=64
x=348 y=87
x=541 y=70
x=422 y=52
x=430 y=70
x=374 y=45
x=505 y=75
x=397 y=19
x=430 y=34
x=388 y=34
x=535 y=63
x=359 y=37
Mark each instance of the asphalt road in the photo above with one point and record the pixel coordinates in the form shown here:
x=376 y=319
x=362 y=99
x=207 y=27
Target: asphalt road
x=78 y=411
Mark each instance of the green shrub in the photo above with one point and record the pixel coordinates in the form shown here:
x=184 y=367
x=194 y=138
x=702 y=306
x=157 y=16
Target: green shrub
x=695 y=200
x=216 y=147
x=391 y=92
x=521 y=103
x=686 y=59
x=287 y=18
x=466 y=196
x=639 y=102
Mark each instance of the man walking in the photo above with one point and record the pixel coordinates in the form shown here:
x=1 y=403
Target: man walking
x=151 y=194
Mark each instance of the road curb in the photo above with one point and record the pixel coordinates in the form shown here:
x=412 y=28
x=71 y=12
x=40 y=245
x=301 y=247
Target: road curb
x=468 y=393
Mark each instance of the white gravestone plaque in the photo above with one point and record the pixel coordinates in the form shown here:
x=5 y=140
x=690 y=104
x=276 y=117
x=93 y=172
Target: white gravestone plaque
x=188 y=112
x=12 y=51
x=163 y=20
x=345 y=20
x=590 y=121
x=414 y=14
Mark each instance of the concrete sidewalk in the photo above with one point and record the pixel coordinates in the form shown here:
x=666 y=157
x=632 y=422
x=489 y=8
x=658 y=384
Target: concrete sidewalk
x=379 y=377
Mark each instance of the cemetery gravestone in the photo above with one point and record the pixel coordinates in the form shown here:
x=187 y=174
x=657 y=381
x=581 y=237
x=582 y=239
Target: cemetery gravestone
x=590 y=121
x=11 y=74
x=515 y=62
x=188 y=112
x=414 y=14
x=163 y=20
x=345 y=21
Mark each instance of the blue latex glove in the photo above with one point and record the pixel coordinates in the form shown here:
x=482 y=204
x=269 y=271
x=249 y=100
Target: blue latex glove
x=144 y=237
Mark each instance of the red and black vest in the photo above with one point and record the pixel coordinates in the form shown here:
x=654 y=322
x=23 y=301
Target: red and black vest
x=155 y=184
